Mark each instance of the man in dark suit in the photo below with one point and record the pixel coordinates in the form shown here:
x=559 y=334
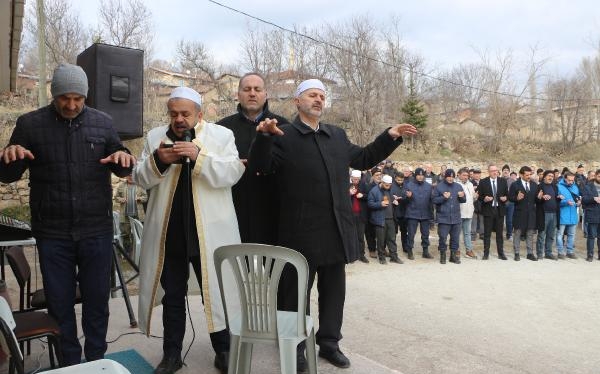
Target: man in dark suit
x=523 y=193
x=316 y=218
x=493 y=194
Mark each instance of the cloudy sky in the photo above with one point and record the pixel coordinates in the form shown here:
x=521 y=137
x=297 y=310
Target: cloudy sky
x=444 y=32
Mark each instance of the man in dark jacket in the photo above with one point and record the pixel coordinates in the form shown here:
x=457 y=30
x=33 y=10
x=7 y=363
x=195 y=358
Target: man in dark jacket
x=253 y=195
x=316 y=219
x=70 y=151
x=493 y=195
x=447 y=197
x=523 y=193
x=358 y=199
x=381 y=203
x=547 y=207
x=418 y=212
x=591 y=205
x=399 y=194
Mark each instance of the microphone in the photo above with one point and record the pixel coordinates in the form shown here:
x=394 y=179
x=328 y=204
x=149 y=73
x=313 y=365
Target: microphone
x=187 y=137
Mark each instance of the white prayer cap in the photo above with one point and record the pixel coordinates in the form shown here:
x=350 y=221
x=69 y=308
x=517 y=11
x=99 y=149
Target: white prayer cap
x=308 y=84
x=186 y=93
x=356 y=174
x=386 y=179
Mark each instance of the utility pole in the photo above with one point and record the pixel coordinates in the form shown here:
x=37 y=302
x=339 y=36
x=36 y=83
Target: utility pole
x=41 y=39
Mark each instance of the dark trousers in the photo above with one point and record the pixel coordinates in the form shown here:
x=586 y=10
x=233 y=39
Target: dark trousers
x=386 y=237
x=370 y=236
x=510 y=209
x=412 y=230
x=454 y=231
x=331 y=286
x=174 y=280
x=360 y=231
x=402 y=226
x=495 y=223
x=593 y=233
x=64 y=263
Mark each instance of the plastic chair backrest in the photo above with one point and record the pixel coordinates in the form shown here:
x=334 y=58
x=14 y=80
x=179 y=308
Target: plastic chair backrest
x=136 y=233
x=7 y=326
x=257 y=269
x=22 y=271
x=117 y=228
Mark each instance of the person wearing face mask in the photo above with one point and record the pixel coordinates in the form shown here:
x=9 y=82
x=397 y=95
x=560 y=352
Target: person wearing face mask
x=189 y=167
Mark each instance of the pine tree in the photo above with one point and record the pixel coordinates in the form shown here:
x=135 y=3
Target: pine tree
x=413 y=110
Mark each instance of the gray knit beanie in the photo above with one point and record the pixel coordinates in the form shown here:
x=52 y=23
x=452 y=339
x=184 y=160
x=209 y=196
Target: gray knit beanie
x=69 y=78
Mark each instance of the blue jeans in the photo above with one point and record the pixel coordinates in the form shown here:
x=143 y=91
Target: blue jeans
x=466 y=230
x=545 y=238
x=64 y=263
x=569 y=230
x=592 y=233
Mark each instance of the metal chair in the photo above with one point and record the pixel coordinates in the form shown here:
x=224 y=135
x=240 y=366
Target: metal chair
x=103 y=366
x=256 y=270
x=136 y=236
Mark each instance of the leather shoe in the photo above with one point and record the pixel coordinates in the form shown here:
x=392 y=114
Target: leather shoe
x=363 y=259
x=396 y=260
x=169 y=365
x=518 y=257
x=486 y=256
x=336 y=358
x=222 y=362
x=502 y=256
x=571 y=256
x=531 y=257
x=382 y=261
x=550 y=257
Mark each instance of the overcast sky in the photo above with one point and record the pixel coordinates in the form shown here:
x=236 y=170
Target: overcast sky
x=444 y=32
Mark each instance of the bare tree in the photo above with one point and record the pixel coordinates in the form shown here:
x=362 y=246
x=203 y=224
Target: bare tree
x=193 y=56
x=126 y=24
x=264 y=51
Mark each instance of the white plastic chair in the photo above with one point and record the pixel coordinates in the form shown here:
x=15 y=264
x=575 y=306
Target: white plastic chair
x=8 y=340
x=117 y=229
x=257 y=269
x=136 y=236
x=104 y=366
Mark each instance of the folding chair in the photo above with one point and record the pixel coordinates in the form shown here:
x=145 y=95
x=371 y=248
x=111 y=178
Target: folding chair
x=256 y=270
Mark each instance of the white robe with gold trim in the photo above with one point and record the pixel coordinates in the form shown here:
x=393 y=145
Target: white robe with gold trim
x=217 y=168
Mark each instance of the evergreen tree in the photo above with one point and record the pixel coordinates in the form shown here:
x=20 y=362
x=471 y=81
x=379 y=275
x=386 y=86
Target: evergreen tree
x=413 y=110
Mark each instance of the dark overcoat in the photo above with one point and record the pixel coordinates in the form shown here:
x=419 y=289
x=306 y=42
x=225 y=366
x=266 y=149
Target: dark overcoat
x=485 y=189
x=524 y=216
x=311 y=173
x=254 y=196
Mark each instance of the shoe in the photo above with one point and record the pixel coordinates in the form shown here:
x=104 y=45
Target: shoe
x=457 y=257
x=471 y=254
x=362 y=258
x=336 y=358
x=502 y=256
x=426 y=253
x=396 y=260
x=550 y=257
x=531 y=257
x=168 y=365
x=561 y=256
x=517 y=257
x=443 y=257
x=590 y=258
x=571 y=256
x=540 y=257
x=486 y=255
x=222 y=362
x=451 y=259
x=301 y=365
x=382 y=261
x=373 y=254
x=411 y=256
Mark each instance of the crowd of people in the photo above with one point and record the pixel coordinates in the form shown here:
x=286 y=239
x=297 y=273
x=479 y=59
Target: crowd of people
x=537 y=206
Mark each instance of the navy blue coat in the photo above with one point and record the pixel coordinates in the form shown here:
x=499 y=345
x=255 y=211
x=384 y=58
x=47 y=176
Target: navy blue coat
x=419 y=204
x=400 y=191
x=448 y=209
x=590 y=206
x=377 y=217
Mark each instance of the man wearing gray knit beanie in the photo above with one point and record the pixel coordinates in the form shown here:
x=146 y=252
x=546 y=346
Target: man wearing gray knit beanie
x=70 y=151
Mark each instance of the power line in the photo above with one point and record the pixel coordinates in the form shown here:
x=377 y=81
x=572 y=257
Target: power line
x=407 y=69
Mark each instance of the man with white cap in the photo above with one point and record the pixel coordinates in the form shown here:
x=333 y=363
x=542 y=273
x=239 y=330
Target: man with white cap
x=70 y=150
x=381 y=203
x=358 y=199
x=316 y=219
x=188 y=167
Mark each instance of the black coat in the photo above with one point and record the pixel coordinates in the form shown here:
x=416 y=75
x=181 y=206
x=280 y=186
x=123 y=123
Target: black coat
x=71 y=191
x=485 y=189
x=524 y=216
x=311 y=170
x=253 y=195
x=539 y=207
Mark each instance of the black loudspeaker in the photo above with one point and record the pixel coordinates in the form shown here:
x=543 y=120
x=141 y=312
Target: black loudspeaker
x=116 y=85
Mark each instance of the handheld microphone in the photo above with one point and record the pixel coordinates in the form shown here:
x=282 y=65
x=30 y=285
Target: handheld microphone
x=187 y=137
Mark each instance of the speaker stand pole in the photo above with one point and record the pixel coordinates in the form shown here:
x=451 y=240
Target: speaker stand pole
x=123 y=285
